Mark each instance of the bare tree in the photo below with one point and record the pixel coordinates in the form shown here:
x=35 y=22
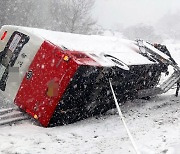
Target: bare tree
x=65 y=15
x=73 y=16
x=15 y=12
x=4 y=10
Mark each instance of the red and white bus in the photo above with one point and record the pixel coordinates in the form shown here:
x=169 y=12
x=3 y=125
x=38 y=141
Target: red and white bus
x=59 y=78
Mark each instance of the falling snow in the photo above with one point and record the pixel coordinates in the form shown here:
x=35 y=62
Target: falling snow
x=154 y=125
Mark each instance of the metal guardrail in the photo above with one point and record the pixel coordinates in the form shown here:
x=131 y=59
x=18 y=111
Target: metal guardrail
x=11 y=115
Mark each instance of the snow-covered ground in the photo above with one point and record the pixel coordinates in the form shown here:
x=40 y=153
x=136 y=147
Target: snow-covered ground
x=154 y=124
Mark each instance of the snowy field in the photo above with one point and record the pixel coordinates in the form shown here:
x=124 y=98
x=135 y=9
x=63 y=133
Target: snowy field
x=154 y=124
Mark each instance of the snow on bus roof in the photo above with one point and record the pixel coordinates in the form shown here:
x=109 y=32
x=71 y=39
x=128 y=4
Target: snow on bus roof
x=81 y=42
x=124 y=49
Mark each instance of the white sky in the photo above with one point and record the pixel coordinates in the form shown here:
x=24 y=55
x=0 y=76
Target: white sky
x=113 y=13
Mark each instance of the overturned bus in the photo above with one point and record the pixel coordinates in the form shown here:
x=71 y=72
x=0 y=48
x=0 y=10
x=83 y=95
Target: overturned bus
x=59 y=78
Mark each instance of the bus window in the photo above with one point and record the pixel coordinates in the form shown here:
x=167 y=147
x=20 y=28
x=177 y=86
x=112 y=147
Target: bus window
x=6 y=59
x=9 y=55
